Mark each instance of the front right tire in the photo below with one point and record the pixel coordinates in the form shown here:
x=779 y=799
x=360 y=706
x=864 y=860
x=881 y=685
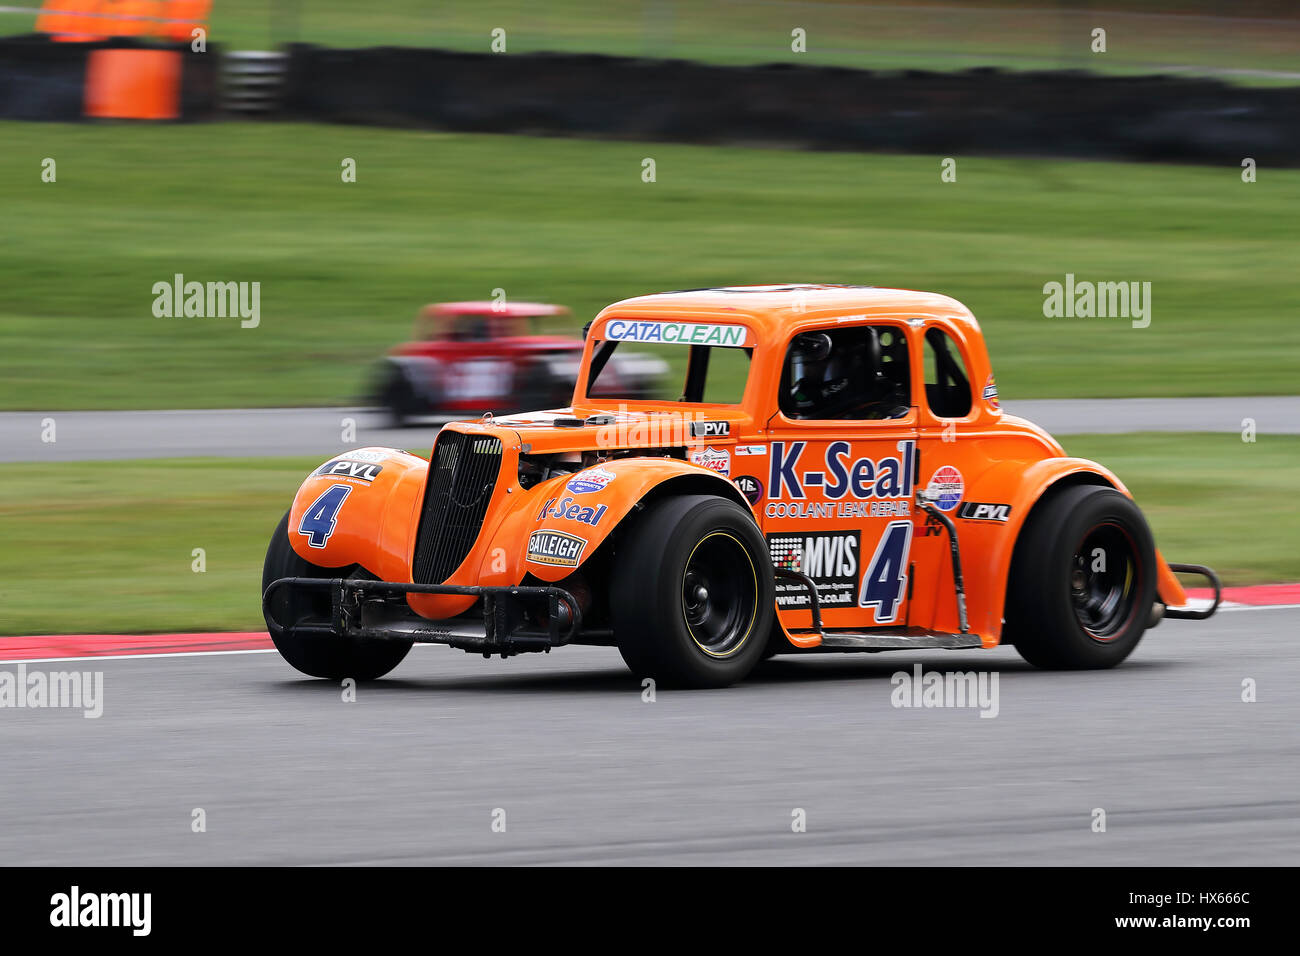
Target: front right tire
x=330 y=656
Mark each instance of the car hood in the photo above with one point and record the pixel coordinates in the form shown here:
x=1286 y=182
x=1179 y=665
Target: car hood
x=588 y=427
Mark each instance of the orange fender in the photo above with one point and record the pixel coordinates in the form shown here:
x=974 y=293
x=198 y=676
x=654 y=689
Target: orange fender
x=550 y=530
x=371 y=522
x=1022 y=486
x=574 y=515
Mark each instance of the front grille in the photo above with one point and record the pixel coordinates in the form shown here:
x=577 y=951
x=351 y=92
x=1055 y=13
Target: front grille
x=462 y=473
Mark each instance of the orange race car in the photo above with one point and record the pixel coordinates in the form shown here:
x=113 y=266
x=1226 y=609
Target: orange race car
x=836 y=475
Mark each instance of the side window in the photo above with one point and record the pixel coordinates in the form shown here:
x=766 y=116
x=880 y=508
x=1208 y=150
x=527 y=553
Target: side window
x=947 y=386
x=853 y=372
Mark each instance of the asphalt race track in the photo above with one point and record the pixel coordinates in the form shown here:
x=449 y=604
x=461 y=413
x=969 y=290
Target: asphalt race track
x=84 y=436
x=588 y=773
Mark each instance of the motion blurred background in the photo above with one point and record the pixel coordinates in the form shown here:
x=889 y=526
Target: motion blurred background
x=504 y=146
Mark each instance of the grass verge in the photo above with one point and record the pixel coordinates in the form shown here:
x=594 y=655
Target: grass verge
x=109 y=546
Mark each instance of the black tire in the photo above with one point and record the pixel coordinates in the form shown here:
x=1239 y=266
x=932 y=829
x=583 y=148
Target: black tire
x=692 y=594
x=320 y=655
x=1082 y=580
x=398 y=396
x=537 y=389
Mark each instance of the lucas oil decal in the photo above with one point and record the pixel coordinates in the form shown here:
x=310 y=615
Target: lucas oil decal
x=830 y=558
x=714 y=459
x=948 y=487
x=568 y=508
x=857 y=487
x=593 y=479
x=555 y=548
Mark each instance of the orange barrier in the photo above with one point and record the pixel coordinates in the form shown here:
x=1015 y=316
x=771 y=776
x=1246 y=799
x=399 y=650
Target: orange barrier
x=133 y=84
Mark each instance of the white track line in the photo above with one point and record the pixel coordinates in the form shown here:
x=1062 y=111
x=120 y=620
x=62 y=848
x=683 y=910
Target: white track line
x=127 y=657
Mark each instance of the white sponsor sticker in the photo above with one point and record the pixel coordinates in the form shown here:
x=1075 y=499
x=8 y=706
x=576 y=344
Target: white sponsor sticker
x=714 y=459
x=676 y=333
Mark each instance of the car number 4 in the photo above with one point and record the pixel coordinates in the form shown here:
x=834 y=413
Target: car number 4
x=882 y=585
x=319 y=519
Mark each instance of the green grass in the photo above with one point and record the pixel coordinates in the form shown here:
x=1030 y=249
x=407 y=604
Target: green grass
x=436 y=216
x=1212 y=498
x=892 y=35
x=107 y=546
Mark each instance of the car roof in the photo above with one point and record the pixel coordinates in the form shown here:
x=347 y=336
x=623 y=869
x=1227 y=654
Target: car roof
x=777 y=309
x=509 y=310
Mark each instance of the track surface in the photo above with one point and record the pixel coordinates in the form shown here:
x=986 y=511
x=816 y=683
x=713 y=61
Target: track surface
x=253 y=432
x=587 y=773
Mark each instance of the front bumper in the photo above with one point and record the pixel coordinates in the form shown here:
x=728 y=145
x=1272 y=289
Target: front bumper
x=515 y=619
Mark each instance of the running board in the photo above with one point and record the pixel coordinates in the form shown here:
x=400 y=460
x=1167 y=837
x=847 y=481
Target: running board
x=894 y=641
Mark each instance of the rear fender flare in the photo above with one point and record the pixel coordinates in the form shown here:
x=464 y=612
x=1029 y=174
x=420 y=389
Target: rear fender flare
x=1032 y=485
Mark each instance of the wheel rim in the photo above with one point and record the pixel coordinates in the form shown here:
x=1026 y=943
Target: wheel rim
x=1105 y=579
x=719 y=594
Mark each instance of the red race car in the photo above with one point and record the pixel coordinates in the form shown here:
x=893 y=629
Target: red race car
x=475 y=357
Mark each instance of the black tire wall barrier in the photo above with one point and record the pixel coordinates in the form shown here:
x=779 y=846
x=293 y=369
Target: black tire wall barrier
x=983 y=111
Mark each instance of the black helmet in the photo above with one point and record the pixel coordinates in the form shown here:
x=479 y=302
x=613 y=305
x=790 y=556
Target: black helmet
x=827 y=381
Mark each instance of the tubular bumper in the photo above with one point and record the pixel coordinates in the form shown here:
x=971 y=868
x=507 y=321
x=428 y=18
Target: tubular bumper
x=361 y=608
x=1196 y=613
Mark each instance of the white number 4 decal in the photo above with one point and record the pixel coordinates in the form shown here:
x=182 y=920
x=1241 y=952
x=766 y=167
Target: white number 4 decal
x=882 y=585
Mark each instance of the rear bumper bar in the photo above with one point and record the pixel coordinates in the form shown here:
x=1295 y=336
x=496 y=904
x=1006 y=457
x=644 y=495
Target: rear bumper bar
x=514 y=619
x=1196 y=613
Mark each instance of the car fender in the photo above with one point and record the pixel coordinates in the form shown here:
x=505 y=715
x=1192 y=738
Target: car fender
x=1022 y=487
x=568 y=518
x=370 y=522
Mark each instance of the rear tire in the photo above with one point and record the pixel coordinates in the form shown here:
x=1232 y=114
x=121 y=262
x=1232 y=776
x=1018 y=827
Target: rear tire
x=692 y=593
x=1082 y=580
x=320 y=655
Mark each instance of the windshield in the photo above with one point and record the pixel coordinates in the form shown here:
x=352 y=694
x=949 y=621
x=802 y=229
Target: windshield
x=707 y=374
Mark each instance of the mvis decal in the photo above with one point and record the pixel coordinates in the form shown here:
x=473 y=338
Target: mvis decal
x=676 y=333
x=829 y=558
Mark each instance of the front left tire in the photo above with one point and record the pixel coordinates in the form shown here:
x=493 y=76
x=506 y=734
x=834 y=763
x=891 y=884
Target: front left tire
x=692 y=594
